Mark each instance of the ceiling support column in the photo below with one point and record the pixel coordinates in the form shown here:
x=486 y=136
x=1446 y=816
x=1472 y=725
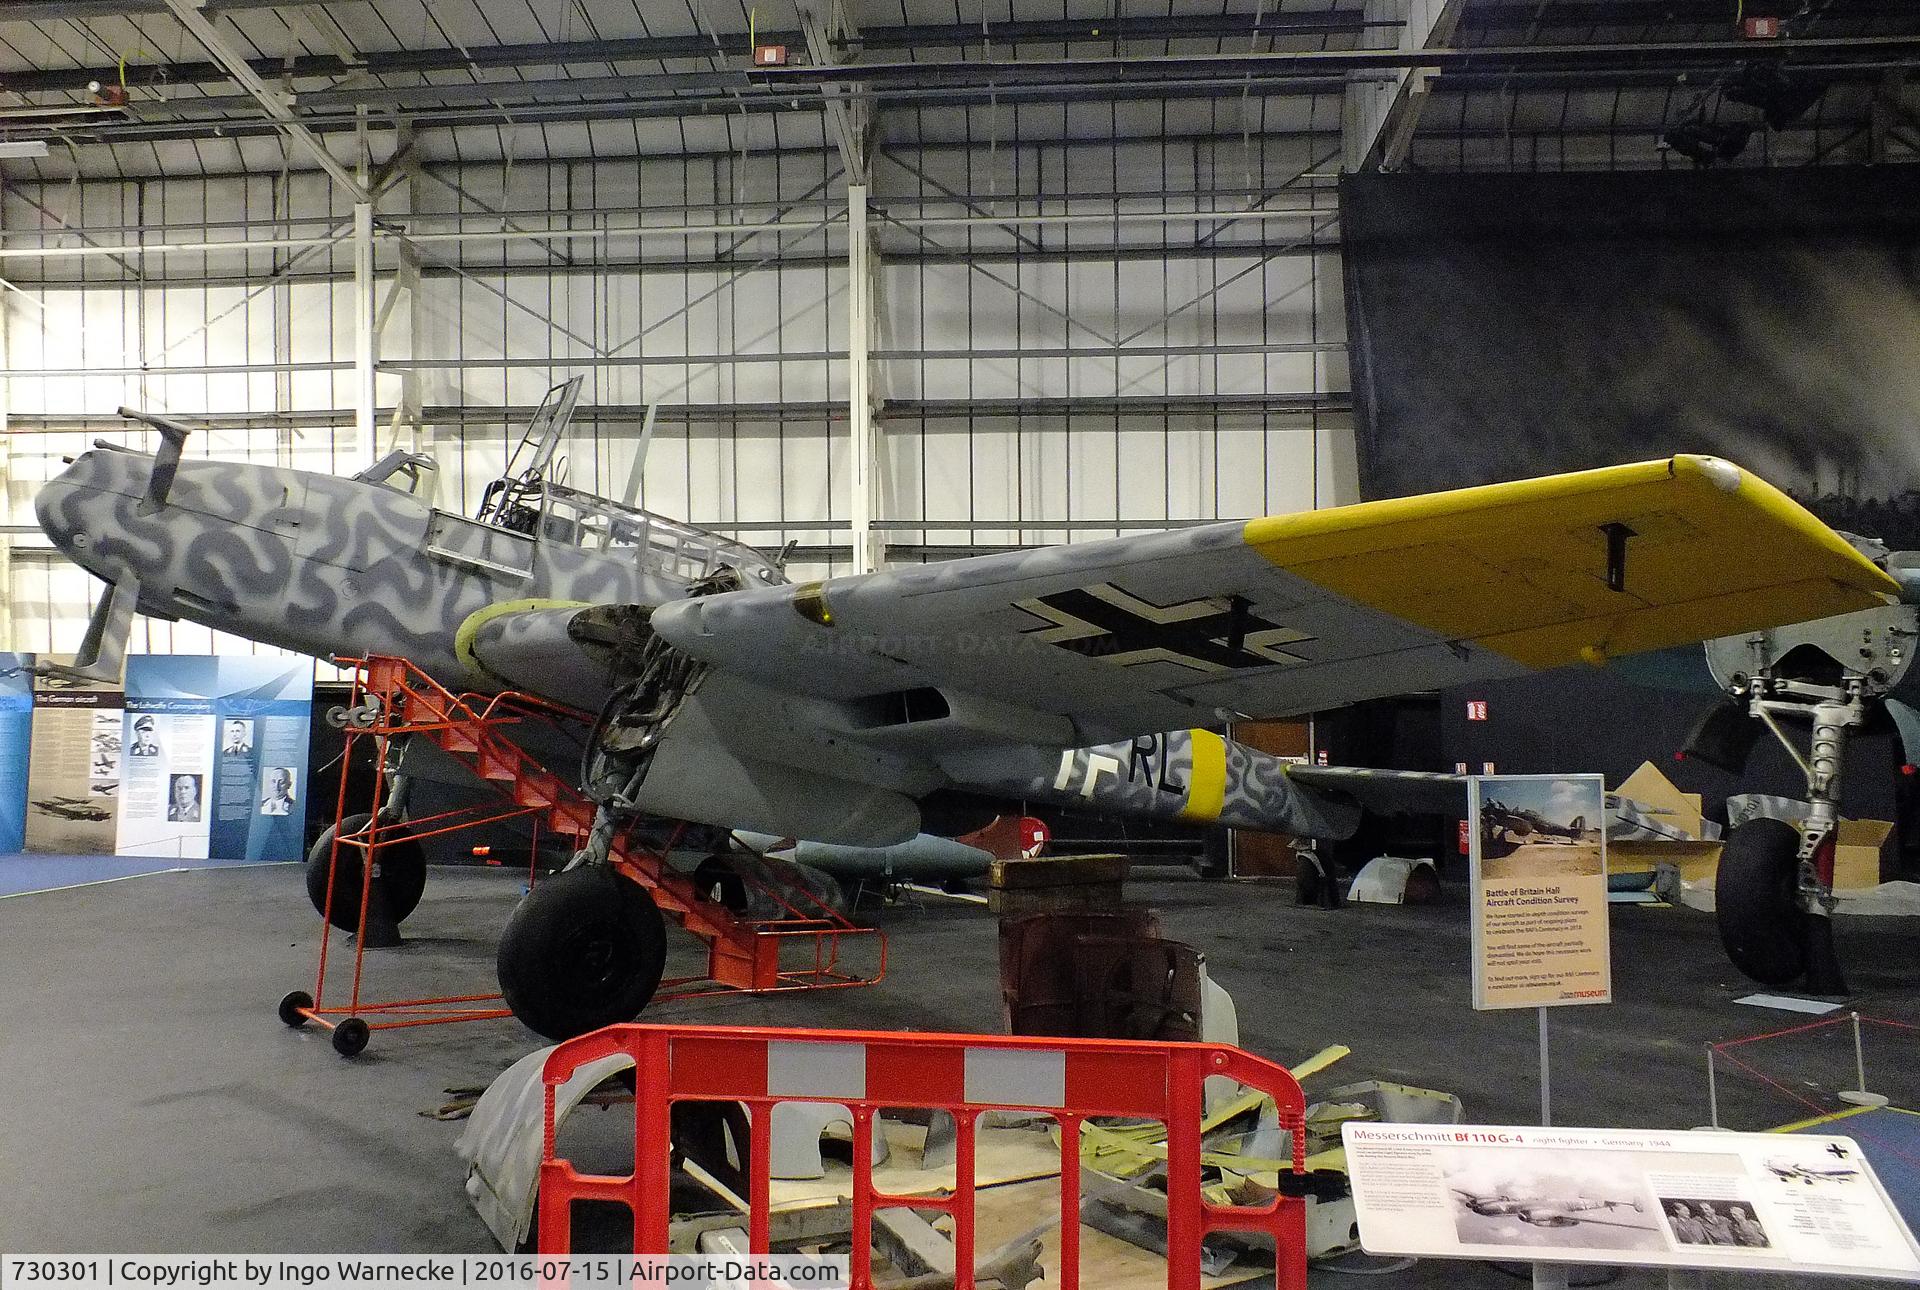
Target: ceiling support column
x=365 y=329
x=863 y=450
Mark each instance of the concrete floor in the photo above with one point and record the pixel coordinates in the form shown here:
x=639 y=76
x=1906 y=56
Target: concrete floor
x=154 y=1103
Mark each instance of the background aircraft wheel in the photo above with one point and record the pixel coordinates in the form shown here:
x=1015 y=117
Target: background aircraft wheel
x=350 y=1037
x=1756 y=902
x=585 y=949
x=718 y=882
x=290 y=1008
x=402 y=875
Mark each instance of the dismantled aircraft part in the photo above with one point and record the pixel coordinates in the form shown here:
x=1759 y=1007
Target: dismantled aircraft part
x=716 y=1139
x=399 y=874
x=1137 y=1215
x=926 y=1257
x=797 y=1131
x=501 y=1143
x=1757 y=901
x=1396 y=880
x=584 y=949
x=1037 y=956
x=1106 y=976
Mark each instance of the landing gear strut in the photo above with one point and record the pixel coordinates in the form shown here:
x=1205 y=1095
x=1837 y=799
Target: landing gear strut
x=587 y=947
x=1774 y=898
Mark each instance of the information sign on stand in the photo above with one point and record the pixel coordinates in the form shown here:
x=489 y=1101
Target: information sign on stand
x=1753 y=1202
x=1538 y=845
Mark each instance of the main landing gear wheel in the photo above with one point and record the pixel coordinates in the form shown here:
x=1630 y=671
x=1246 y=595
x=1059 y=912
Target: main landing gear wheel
x=1756 y=902
x=400 y=871
x=585 y=949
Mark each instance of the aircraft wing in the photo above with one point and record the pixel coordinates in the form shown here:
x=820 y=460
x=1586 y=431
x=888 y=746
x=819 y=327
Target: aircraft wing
x=1297 y=613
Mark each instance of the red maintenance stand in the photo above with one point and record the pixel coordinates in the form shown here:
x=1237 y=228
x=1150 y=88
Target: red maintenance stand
x=801 y=948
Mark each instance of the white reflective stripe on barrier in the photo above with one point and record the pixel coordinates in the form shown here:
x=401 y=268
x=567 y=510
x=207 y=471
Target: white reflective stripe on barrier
x=1017 y=1077
x=803 y=1069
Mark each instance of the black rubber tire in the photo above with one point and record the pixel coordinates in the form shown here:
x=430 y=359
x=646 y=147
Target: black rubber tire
x=1756 y=902
x=585 y=949
x=350 y=1037
x=402 y=875
x=290 y=1007
x=719 y=882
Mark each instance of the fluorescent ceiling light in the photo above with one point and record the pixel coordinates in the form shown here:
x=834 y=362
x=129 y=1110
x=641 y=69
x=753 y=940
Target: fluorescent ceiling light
x=23 y=148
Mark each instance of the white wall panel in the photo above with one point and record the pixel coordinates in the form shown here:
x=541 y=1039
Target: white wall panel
x=1008 y=450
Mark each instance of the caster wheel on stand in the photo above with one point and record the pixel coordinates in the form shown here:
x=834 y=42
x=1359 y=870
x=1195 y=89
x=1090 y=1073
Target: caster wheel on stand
x=350 y=1037
x=290 y=1008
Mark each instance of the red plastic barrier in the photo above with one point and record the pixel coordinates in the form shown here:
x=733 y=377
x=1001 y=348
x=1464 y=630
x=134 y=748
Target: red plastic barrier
x=964 y=1075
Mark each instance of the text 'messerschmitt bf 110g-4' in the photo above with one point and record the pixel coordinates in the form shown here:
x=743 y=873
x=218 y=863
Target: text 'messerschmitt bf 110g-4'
x=865 y=710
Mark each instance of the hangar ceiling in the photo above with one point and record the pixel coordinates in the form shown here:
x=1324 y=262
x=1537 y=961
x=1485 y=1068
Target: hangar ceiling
x=1513 y=83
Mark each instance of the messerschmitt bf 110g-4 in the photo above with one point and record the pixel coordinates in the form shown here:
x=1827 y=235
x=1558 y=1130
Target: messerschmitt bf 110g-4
x=866 y=710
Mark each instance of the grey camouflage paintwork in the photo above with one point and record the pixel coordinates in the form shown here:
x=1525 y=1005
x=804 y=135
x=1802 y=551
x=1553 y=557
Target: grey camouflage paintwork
x=340 y=567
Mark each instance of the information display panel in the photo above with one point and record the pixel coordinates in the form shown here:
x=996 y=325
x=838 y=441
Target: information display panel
x=1687 y=1199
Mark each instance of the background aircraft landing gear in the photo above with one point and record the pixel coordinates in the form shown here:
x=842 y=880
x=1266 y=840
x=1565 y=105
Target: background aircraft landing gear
x=585 y=949
x=1774 y=896
x=399 y=875
x=399 y=861
x=1757 y=902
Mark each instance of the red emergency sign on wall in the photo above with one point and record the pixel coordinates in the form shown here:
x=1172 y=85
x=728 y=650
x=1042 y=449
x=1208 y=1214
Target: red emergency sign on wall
x=1476 y=709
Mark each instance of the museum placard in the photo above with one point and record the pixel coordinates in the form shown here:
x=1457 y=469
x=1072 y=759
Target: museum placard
x=16 y=736
x=1538 y=846
x=216 y=757
x=1752 y=1202
x=73 y=774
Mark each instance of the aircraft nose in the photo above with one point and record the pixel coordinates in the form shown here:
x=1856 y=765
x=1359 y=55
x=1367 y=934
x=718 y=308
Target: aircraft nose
x=74 y=506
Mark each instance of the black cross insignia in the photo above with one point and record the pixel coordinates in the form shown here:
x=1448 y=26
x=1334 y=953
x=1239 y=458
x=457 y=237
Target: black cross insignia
x=1837 y=1151
x=1208 y=635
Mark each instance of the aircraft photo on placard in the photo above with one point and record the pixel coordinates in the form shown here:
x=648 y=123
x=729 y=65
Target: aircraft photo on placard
x=1588 y=1200
x=1541 y=827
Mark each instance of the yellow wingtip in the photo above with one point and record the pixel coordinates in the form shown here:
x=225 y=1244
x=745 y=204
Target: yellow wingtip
x=1520 y=567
